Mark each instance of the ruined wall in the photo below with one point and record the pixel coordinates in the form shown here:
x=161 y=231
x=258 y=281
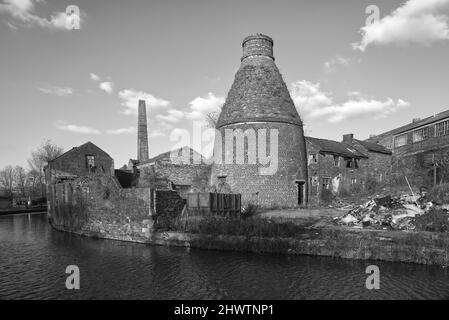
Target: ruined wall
x=195 y=176
x=97 y=204
x=339 y=176
x=377 y=167
x=168 y=207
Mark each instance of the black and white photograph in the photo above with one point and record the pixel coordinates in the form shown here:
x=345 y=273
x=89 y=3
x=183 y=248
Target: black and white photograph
x=224 y=156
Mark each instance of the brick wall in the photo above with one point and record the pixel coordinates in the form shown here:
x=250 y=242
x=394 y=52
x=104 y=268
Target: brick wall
x=277 y=190
x=97 y=203
x=168 y=208
x=74 y=161
x=192 y=176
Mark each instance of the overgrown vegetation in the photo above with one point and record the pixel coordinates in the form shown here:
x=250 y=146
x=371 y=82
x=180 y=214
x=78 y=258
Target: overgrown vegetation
x=439 y=194
x=252 y=227
x=435 y=221
x=326 y=195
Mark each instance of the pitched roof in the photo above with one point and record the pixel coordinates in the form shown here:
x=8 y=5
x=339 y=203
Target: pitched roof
x=414 y=125
x=258 y=93
x=166 y=156
x=76 y=148
x=336 y=148
x=373 y=147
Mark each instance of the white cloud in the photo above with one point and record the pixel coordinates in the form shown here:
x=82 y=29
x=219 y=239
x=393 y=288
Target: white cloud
x=61 y=125
x=130 y=101
x=120 y=131
x=417 y=21
x=308 y=97
x=173 y=116
x=311 y=103
x=94 y=77
x=58 y=91
x=106 y=86
x=336 y=61
x=23 y=11
x=200 y=107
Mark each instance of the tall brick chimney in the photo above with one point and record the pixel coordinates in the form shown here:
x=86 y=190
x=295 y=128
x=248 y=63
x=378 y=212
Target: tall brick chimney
x=142 y=133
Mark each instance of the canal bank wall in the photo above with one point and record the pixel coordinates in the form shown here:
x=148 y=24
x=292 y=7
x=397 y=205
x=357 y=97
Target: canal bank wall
x=96 y=206
x=394 y=246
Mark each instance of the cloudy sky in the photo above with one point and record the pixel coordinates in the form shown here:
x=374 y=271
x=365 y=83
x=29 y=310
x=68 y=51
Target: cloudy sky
x=347 y=71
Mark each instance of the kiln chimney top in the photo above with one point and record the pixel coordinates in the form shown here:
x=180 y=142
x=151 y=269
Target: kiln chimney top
x=257 y=45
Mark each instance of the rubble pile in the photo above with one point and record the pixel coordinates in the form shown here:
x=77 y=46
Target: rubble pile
x=390 y=212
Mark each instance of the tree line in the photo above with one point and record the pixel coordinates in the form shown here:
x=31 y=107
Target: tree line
x=19 y=182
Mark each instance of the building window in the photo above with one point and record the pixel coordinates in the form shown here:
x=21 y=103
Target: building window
x=314 y=181
x=90 y=161
x=420 y=134
x=442 y=129
x=353 y=181
x=336 y=161
x=400 y=141
x=313 y=158
x=352 y=163
x=326 y=183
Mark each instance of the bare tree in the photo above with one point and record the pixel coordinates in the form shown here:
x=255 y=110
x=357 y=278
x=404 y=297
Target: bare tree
x=20 y=180
x=40 y=158
x=7 y=180
x=212 y=119
x=441 y=165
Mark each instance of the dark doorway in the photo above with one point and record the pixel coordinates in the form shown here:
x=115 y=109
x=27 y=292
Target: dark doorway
x=300 y=192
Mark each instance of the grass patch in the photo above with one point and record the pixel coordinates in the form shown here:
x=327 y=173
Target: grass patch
x=251 y=227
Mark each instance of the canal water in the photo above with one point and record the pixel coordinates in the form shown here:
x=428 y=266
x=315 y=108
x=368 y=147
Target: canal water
x=34 y=257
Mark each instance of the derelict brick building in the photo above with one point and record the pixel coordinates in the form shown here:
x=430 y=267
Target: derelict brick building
x=83 y=160
x=258 y=100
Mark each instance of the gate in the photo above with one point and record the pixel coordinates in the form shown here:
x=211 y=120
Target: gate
x=221 y=204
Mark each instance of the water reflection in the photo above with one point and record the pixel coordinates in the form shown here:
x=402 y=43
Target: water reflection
x=33 y=258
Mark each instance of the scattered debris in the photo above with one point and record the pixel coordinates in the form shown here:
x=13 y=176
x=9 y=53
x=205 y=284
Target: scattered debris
x=394 y=213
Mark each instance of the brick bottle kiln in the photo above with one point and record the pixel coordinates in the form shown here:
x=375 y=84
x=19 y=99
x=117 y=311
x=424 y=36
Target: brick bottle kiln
x=259 y=102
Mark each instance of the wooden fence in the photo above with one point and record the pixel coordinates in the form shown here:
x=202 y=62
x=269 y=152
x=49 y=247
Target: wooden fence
x=229 y=205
